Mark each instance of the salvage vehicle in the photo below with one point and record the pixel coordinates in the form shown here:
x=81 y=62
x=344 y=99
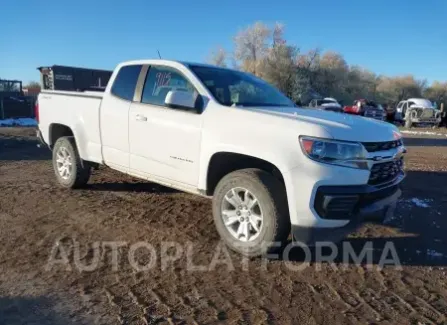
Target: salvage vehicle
x=366 y=108
x=270 y=168
x=417 y=111
x=326 y=104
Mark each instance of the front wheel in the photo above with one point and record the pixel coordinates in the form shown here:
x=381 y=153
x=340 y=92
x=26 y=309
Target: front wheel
x=250 y=212
x=70 y=171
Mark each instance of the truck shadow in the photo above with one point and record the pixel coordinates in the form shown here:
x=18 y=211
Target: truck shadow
x=130 y=187
x=22 y=148
x=416 y=234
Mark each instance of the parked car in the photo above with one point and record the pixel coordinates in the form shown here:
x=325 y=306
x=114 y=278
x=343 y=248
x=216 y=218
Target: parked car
x=270 y=168
x=366 y=108
x=417 y=111
x=327 y=104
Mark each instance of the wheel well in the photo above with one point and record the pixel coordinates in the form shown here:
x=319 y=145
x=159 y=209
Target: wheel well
x=57 y=131
x=223 y=163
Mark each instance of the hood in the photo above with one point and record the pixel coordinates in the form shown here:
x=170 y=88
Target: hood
x=340 y=126
x=421 y=102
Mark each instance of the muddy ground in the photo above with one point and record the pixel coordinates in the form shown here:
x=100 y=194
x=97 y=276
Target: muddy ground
x=40 y=222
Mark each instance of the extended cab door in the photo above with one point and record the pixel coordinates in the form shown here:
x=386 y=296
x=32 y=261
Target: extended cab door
x=164 y=142
x=114 y=117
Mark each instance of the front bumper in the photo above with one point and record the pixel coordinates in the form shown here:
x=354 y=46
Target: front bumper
x=429 y=120
x=426 y=120
x=373 y=204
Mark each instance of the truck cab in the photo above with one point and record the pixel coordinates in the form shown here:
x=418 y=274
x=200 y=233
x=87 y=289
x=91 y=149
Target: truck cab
x=416 y=111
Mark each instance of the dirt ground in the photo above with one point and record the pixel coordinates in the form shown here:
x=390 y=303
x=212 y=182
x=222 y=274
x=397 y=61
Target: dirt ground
x=39 y=220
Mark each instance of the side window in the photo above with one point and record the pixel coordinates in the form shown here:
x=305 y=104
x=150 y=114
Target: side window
x=244 y=92
x=159 y=81
x=126 y=81
x=400 y=105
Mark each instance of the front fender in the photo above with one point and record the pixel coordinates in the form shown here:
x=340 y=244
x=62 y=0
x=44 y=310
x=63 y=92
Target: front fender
x=283 y=165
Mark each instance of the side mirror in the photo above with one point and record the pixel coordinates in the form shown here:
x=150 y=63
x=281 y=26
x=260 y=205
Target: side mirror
x=181 y=99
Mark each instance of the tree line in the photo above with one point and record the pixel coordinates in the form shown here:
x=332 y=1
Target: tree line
x=263 y=51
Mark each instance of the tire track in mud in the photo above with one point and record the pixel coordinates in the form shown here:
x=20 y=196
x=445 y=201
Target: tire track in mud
x=36 y=213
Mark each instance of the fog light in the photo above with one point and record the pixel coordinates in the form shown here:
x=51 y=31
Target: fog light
x=341 y=207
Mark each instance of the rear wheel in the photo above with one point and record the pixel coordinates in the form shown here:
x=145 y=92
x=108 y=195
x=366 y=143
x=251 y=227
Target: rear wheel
x=250 y=212
x=70 y=171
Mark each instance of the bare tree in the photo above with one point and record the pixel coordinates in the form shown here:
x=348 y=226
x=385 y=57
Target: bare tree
x=437 y=92
x=308 y=69
x=218 y=57
x=262 y=50
x=278 y=66
x=32 y=84
x=251 y=45
x=395 y=89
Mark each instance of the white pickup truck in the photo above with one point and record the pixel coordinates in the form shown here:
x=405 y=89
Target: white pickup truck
x=270 y=167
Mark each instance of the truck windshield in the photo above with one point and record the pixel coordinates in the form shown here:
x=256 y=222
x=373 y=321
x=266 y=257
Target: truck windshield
x=231 y=87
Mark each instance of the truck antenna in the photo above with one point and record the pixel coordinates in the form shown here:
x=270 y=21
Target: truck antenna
x=159 y=54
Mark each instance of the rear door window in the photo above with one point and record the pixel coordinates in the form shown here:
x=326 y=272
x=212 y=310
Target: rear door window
x=126 y=81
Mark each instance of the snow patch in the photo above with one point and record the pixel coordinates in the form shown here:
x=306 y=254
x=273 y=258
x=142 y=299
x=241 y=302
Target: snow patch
x=18 y=122
x=423 y=133
x=421 y=203
x=433 y=253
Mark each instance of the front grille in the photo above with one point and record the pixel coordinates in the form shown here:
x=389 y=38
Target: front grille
x=424 y=113
x=385 y=172
x=381 y=146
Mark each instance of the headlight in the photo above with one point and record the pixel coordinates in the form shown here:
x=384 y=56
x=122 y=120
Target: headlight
x=347 y=154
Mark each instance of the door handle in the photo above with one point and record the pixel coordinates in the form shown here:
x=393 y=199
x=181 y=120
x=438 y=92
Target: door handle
x=141 y=118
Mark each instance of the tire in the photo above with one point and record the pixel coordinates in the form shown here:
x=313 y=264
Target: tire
x=78 y=172
x=271 y=198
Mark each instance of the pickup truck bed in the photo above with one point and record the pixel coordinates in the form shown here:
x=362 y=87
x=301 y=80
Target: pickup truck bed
x=82 y=110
